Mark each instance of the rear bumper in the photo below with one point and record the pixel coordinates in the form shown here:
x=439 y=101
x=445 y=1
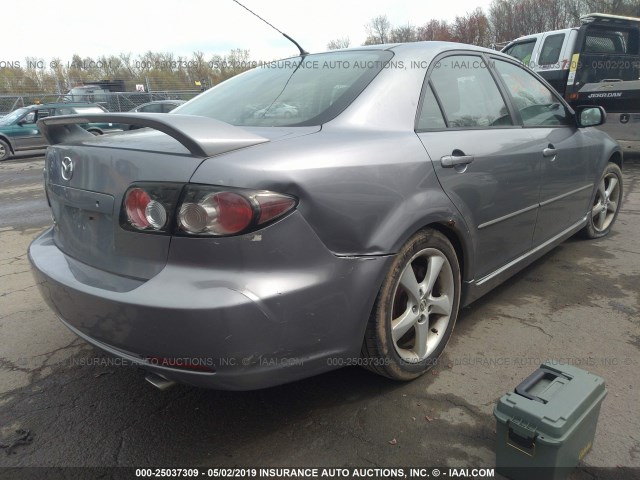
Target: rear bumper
x=286 y=318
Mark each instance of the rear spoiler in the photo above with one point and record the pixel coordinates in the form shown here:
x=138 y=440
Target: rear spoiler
x=202 y=136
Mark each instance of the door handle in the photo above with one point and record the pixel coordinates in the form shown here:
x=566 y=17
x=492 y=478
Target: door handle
x=449 y=161
x=549 y=152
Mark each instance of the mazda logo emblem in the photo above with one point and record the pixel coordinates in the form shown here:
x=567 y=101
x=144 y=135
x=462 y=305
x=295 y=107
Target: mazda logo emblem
x=66 y=168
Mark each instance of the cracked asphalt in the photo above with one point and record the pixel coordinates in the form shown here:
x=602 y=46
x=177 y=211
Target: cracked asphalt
x=579 y=304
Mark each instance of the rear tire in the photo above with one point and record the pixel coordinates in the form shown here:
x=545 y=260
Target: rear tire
x=5 y=150
x=416 y=308
x=605 y=203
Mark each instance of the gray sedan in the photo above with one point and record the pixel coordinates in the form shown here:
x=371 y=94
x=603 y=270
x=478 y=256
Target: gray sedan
x=225 y=249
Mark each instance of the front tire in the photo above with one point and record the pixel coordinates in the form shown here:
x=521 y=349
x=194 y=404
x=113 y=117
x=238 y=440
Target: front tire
x=416 y=308
x=605 y=204
x=5 y=150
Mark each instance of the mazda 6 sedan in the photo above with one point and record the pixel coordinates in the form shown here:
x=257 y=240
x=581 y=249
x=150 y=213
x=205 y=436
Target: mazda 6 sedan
x=224 y=249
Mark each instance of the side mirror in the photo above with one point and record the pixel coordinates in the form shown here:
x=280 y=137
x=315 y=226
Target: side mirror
x=590 y=116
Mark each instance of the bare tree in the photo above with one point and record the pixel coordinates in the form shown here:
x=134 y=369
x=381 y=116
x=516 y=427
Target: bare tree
x=502 y=20
x=472 y=28
x=615 y=7
x=435 y=30
x=339 y=43
x=378 y=30
x=406 y=33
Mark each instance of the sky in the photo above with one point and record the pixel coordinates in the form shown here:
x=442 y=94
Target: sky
x=92 y=29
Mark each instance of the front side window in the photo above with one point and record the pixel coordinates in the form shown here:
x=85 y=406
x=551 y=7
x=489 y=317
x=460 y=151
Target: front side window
x=537 y=105
x=522 y=51
x=468 y=94
x=298 y=91
x=551 y=49
x=29 y=117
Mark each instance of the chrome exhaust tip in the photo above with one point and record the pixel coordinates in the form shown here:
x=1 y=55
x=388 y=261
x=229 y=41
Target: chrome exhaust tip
x=159 y=381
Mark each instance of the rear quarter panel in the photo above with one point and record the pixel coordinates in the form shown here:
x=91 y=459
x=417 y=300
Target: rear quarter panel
x=363 y=193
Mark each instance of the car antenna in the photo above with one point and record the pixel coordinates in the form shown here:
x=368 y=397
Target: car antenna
x=303 y=52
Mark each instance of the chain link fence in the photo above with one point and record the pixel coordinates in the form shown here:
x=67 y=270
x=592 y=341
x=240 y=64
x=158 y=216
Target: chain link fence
x=114 y=102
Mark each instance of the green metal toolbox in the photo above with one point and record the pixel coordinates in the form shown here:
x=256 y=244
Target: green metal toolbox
x=548 y=423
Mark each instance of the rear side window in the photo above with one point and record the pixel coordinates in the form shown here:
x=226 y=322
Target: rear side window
x=430 y=114
x=538 y=107
x=522 y=51
x=468 y=94
x=551 y=49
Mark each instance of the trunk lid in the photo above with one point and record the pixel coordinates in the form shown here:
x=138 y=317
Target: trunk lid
x=86 y=199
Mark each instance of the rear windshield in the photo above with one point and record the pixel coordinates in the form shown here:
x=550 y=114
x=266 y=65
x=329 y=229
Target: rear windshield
x=308 y=90
x=609 y=54
x=611 y=41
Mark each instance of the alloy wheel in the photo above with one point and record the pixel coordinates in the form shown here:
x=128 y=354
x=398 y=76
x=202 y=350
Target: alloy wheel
x=422 y=305
x=606 y=202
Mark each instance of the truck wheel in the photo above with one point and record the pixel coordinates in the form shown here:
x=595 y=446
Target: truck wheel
x=416 y=308
x=5 y=150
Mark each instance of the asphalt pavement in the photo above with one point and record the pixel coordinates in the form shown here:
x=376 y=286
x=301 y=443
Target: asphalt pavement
x=579 y=304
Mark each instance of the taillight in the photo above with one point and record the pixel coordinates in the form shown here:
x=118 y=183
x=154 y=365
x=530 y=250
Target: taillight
x=210 y=211
x=272 y=205
x=135 y=204
x=202 y=210
x=148 y=206
x=223 y=213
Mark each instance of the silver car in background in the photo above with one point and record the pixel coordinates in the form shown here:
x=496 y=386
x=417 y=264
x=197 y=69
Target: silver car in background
x=231 y=250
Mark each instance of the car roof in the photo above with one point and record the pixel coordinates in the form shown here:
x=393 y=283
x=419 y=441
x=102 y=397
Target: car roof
x=425 y=50
x=435 y=46
x=537 y=35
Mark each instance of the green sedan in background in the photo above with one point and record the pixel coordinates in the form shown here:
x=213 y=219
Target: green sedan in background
x=19 y=132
